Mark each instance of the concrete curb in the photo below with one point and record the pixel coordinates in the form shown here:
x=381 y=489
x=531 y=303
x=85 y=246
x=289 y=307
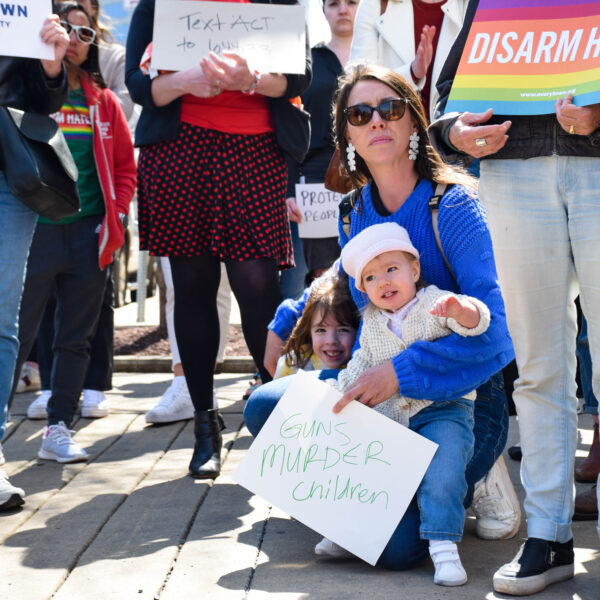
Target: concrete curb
x=162 y=364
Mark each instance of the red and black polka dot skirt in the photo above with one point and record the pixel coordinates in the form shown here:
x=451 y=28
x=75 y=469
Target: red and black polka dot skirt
x=209 y=192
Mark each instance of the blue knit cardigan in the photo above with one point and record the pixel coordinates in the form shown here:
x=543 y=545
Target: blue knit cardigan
x=452 y=366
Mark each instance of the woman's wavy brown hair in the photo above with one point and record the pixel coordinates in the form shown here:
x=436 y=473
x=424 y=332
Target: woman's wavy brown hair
x=429 y=164
x=330 y=295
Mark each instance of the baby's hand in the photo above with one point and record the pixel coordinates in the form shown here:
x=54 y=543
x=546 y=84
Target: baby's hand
x=465 y=313
x=447 y=306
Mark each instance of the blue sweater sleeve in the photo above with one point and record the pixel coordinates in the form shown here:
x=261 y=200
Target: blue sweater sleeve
x=452 y=366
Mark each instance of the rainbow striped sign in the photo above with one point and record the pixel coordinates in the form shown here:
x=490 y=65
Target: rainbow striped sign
x=522 y=55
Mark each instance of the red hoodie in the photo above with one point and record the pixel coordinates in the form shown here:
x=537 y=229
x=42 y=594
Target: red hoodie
x=115 y=163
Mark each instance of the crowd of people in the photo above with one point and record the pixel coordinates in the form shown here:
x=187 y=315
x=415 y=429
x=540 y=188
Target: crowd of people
x=463 y=247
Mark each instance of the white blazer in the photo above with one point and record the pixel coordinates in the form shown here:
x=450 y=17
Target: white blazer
x=389 y=39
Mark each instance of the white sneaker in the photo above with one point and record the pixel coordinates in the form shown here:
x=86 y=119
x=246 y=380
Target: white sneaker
x=94 y=405
x=2 y=459
x=448 y=568
x=38 y=409
x=328 y=549
x=10 y=496
x=175 y=404
x=495 y=504
x=59 y=446
x=29 y=381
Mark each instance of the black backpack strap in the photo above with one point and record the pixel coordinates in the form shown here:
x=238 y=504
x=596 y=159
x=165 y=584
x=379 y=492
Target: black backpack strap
x=434 y=206
x=345 y=209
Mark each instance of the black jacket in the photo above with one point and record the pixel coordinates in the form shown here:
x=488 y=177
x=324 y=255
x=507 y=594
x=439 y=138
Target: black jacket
x=528 y=136
x=158 y=123
x=24 y=85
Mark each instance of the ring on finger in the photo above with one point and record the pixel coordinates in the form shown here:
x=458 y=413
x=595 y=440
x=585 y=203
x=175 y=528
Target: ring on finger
x=572 y=130
x=481 y=142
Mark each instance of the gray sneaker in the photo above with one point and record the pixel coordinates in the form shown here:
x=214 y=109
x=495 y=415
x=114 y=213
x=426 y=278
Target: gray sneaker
x=58 y=445
x=10 y=496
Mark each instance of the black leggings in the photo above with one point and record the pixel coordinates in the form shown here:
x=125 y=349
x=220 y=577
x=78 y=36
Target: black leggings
x=196 y=280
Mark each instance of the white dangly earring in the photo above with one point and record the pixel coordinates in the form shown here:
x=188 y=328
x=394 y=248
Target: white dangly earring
x=351 y=154
x=413 y=149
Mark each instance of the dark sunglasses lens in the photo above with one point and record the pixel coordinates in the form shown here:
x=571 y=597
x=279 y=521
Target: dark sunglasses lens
x=392 y=110
x=86 y=35
x=67 y=27
x=359 y=114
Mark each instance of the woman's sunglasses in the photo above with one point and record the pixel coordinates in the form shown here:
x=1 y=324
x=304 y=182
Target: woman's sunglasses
x=86 y=35
x=389 y=110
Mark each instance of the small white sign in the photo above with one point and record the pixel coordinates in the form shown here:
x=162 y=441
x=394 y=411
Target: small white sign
x=270 y=37
x=319 y=208
x=349 y=476
x=20 y=24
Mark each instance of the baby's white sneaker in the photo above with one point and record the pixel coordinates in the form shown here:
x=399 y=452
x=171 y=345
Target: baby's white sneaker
x=448 y=568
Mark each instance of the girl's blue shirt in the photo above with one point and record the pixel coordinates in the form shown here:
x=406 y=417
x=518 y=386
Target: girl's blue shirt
x=452 y=366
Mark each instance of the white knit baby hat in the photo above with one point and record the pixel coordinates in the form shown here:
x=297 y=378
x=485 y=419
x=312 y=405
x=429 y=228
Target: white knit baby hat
x=371 y=242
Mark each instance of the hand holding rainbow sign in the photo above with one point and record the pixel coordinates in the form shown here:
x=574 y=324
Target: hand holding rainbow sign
x=522 y=55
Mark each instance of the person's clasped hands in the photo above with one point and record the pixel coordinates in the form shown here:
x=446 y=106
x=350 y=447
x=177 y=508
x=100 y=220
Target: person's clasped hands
x=228 y=73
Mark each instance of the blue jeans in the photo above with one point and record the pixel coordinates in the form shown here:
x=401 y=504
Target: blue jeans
x=544 y=220
x=406 y=548
x=17 y=224
x=442 y=492
x=590 y=402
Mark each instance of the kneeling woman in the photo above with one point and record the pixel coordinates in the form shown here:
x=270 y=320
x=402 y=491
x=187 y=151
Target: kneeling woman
x=381 y=130
x=72 y=255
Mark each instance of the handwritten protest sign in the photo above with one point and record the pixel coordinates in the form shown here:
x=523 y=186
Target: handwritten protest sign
x=349 y=476
x=270 y=37
x=20 y=26
x=319 y=208
x=521 y=55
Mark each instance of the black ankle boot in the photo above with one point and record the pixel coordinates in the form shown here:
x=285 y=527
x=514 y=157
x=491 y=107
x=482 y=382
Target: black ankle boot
x=206 y=460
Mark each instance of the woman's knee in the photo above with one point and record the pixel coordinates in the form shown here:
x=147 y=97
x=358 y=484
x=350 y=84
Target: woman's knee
x=261 y=403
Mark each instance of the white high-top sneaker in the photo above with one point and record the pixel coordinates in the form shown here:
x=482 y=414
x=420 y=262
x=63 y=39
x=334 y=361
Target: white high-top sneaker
x=38 y=409
x=175 y=404
x=94 y=404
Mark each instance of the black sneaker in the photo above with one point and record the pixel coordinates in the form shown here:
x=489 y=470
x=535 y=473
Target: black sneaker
x=538 y=564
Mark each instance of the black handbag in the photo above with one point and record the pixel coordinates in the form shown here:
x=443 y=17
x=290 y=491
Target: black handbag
x=37 y=163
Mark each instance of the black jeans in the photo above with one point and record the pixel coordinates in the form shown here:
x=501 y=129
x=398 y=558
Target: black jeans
x=65 y=256
x=100 y=369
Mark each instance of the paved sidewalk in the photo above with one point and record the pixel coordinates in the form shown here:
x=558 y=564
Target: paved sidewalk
x=130 y=524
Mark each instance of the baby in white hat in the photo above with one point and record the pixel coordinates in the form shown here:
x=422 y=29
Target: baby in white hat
x=404 y=310
x=385 y=265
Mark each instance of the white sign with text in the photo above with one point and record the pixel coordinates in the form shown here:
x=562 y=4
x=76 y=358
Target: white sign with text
x=319 y=208
x=20 y=26
x=270 y=37
x=349 y=476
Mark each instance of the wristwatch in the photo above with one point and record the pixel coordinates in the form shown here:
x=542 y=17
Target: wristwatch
x=124 y=220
